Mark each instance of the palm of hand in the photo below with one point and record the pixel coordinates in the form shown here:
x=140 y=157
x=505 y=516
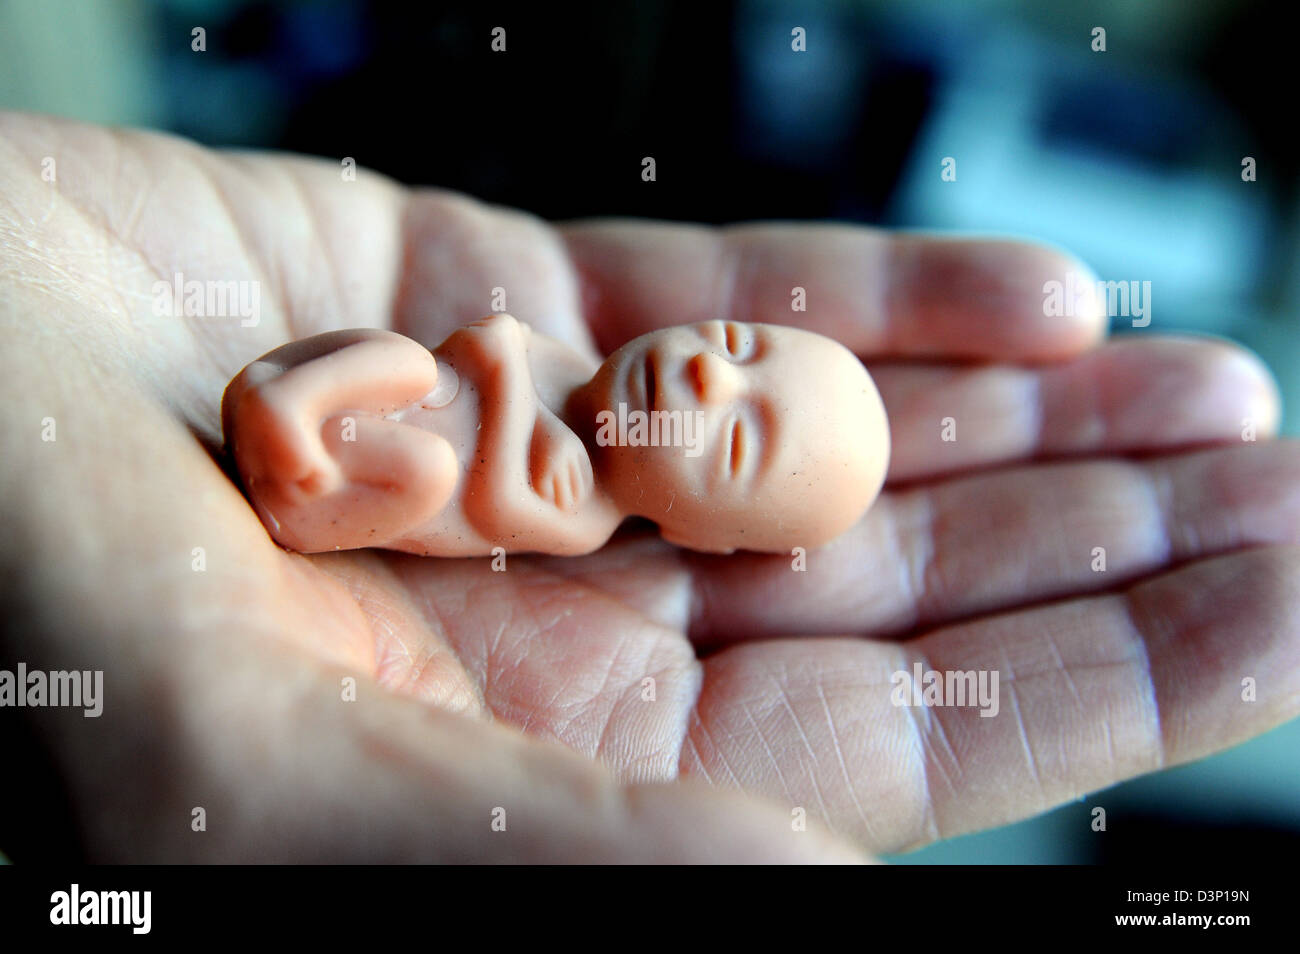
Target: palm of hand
x=1104 y=673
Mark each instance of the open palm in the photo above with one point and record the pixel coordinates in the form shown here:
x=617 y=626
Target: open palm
x=759 y=686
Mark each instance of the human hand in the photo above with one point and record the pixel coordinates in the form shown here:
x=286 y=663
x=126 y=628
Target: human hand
x=225 y=686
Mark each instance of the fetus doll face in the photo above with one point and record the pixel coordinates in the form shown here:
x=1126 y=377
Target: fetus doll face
x=783 y=440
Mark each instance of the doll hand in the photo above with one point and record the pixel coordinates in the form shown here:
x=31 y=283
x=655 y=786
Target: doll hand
x=559 y=467
x=489 y=344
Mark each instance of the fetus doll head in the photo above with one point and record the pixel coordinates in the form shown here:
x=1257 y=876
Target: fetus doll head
x=782 y=441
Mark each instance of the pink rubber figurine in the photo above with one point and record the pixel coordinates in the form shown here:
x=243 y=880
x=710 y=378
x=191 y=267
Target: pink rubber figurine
x=727 y=435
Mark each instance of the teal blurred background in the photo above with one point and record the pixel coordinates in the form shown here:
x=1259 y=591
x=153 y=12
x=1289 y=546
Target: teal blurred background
x=1131 y=157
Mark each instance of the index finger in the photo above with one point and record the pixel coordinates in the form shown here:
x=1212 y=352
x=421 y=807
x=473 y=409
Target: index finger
x=879 y=293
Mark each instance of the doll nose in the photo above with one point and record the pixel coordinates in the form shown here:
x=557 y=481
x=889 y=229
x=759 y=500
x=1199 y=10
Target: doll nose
x=714 y=379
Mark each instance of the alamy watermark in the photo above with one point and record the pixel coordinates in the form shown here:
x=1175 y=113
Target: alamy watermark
x=75 y=906
x=60 y=687
x=1127 y=299
x=955 y=687
x=209 y=299
x=639 y=428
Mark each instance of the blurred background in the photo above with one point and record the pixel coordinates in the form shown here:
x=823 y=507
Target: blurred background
x=1133 y=156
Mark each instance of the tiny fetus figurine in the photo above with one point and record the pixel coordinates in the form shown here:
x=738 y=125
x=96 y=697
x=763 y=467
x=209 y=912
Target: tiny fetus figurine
x=727 y=435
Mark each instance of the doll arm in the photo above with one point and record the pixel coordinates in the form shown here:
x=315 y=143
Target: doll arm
x=323 y=468
x=530 y=473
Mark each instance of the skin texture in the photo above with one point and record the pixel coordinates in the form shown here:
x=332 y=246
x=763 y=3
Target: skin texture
x=495 y=440
x=524 y=689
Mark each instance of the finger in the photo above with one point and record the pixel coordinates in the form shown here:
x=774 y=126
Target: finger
x=878 y=293
x=465 y=259
x=979 y=544
x=1090 y=692
x=437 y=788
x=1130 y=394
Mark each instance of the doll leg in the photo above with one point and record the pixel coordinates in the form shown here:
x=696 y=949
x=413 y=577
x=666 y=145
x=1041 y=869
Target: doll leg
x=320 y=464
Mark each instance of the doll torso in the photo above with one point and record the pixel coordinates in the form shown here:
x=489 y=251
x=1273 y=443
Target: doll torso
x=504 y=493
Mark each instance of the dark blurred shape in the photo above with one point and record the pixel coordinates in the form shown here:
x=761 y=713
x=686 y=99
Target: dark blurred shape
x=1198 y=842
x=37 y=825
x=1249 y=63
x=1105 y=115
x=1133 y=165
x=557 y=124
